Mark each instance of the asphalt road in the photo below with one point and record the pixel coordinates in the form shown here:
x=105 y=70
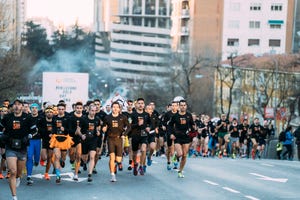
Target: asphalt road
x=205 y=178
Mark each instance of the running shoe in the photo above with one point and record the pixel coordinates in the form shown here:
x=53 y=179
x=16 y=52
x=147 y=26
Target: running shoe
x=253 y=154
x=46 y=176
x=36 y=164
x=58 y=180
x=141 y=171
x=180 y=175
x=149 y=161
x=18 y=181
x=84 y=167
x=75 y=177
x=1 y=176
x=144 y=168
x=135 y=170
x=175 y=165
x=42 y=163
x=73 y=166
x=113 y=178
x=95 y=171
x=169 y=166
x=90 y=178
x=120 y=167
x=129 y=168
x=7 y=175
x=14 y=198
x=29 y=181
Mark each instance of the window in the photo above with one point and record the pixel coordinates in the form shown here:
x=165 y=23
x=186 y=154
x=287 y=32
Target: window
x=150 y=7
x=255 y=6
x=274 y=43
x=233 y=42
x=276 y=7
x=234 y=24
x=254 y=24
x=275 y=26
x=235 y=6
x=253 y=42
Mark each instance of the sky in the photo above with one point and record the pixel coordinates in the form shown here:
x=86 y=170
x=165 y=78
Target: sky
x=62 y=11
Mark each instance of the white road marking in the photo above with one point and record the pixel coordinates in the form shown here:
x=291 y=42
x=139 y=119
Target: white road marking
x=230 y=190
x=251 y=197
x=266 y=178
x=210 y=182
x=269 y=165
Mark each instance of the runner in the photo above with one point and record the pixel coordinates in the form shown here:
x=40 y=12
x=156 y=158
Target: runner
x=3 y=112
x=128 y=113
x=100 y=139
x=152 y=137
x=89 y=143
x=169 y=140
x=255 y=130
x=140 y=130
x=77 y=128
x=115 y=126
x=60 y=140
x=34 y=149
x=45 y=128
x=222 y=128
x=179 y=126
x=18 y=128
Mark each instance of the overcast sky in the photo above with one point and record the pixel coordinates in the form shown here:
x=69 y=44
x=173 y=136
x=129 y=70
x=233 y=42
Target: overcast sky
x=62 y=11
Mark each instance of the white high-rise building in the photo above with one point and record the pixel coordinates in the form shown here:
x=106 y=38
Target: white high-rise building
x=137 y=44
x=258 y=27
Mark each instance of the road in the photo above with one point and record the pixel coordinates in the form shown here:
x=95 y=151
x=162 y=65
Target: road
x=205 y=178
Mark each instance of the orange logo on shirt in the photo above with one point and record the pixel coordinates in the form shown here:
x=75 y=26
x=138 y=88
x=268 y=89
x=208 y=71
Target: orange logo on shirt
x=16 y=125
x=49 y=127
x=182 y=120
x=115 y=124
x=58 y=123
x=91 y=126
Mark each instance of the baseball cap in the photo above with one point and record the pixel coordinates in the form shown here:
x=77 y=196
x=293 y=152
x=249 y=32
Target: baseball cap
x=18 y=101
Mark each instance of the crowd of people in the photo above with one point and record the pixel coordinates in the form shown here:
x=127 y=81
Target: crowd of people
x=32 y=136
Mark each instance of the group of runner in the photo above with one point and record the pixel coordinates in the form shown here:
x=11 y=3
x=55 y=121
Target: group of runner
x=33 y=136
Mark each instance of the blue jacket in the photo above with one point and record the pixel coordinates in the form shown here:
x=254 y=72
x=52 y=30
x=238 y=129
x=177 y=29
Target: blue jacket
x=288 y=138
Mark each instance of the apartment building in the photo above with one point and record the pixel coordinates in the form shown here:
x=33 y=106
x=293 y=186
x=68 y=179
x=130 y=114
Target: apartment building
x=257 y=27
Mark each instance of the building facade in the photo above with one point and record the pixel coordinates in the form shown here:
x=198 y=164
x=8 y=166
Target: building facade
x=268 y=90
x=257 y=27
x=12 y=18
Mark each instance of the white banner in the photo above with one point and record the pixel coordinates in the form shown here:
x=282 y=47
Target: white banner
x=70 y=87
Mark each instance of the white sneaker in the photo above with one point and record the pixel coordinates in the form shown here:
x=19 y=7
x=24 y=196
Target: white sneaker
x=18 y=181
x=113 y=178
x=14 y=198
x=75 y=177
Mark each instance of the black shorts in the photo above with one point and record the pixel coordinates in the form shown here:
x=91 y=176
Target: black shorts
x=151 y=138
x=137 y=140
x=115 y=146
x=182 y=139
x=261 y=142
x=46 y=144
x=76 y=140
x=168 y=140
x=89 y=144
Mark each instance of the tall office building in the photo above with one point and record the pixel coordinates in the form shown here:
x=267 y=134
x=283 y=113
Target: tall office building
x=12 y=17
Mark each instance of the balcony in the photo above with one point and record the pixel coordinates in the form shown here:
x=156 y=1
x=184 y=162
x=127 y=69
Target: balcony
x=184 y=30
x=185 y=13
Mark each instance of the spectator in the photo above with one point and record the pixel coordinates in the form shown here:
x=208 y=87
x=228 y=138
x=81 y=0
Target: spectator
x=288 y=143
